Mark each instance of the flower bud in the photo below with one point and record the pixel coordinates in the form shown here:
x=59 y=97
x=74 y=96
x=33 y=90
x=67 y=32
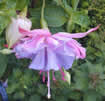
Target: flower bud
x=12 y=33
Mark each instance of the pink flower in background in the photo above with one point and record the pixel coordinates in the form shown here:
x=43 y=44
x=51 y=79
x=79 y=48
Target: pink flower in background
x=50 y=52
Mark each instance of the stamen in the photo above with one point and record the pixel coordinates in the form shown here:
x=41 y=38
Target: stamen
x=48 y=85
x=40 y=72
x=63 y=74
x=44 y=77
x=53 y=76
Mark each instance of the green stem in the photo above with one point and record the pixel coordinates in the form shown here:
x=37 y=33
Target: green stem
x=42 y=20
x=24 y=12
x=42 y=12
x=70 y=25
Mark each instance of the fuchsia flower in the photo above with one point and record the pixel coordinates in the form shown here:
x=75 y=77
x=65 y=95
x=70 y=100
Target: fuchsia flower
x=50 y=52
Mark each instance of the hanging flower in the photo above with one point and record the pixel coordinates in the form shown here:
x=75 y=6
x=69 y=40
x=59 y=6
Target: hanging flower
x=50 y=52
x=12 y=33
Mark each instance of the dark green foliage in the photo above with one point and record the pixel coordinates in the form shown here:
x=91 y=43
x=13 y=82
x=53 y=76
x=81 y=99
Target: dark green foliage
x=3 y=64
x=87 y=76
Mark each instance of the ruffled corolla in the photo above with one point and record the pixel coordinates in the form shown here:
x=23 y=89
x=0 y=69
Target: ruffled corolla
x=50 y=52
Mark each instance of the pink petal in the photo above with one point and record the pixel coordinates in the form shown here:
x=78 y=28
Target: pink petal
x=53 y=43
x=40 y=32
x=23 y=31
x=77 y=35
x=34 y=44
x=79 y=50
x=34 y=32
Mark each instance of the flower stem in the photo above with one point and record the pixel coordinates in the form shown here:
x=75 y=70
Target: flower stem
x=42 y=20
x=24 y=12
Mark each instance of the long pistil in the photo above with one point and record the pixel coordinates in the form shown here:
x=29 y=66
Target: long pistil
x=48 y=85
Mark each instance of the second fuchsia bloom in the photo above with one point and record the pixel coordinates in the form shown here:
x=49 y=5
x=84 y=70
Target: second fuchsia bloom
x=50 y=52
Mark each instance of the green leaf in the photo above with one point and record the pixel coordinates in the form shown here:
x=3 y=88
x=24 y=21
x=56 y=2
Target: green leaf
x=91 y=96
x=35 y=13
x=20 y=4
x=5 y=16
x=64 y=4
x=4 y=20
x=75 y=4
x=35 y=22
x=2 y=41
x=35 y=98
x=59 y=2
x=11 y=3
x=80 y=18
x=3 y=64
x=11 y=89
x=55 y=16
x=95 y=68
x=101 y=88
x=60 y=98
x=85 y=4
x=56 y=29
x=81 y=80
x=42 y=90
x=75 y=95
x=17 y=73
x=19 y=95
